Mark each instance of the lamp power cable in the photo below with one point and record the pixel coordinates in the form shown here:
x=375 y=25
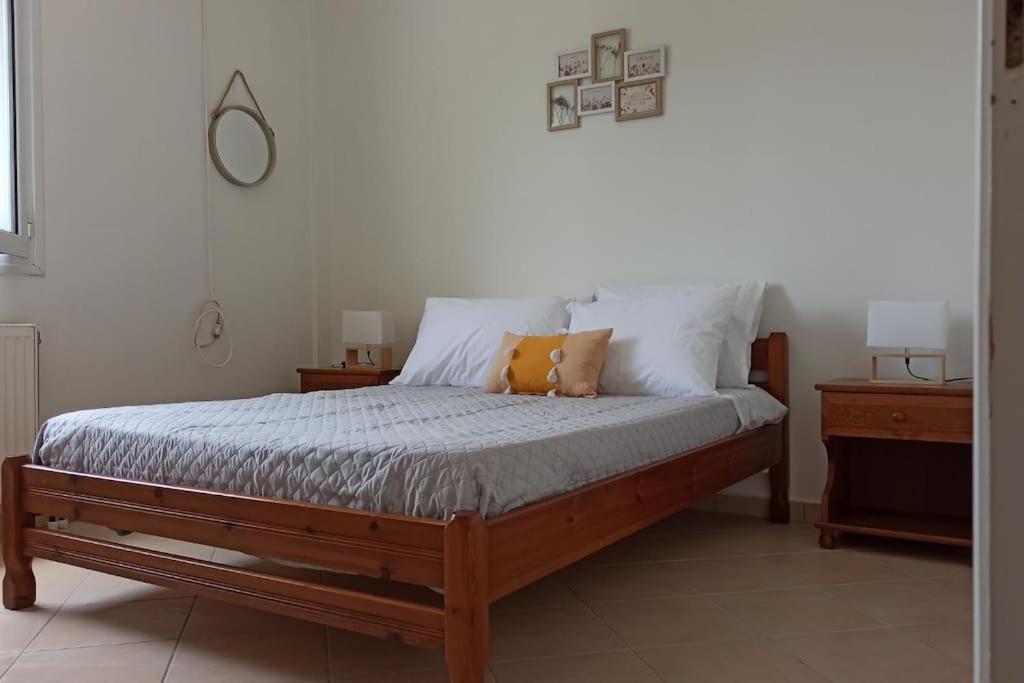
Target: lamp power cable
x=211 y=314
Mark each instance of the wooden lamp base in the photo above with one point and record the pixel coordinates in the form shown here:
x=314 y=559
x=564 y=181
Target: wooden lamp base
x=908 y=382
x=382 y=356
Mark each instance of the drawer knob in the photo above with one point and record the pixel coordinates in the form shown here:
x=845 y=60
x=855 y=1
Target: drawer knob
x=899 y=417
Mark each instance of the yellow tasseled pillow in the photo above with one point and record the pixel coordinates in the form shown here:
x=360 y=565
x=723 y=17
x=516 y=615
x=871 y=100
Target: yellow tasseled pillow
x=560 y=365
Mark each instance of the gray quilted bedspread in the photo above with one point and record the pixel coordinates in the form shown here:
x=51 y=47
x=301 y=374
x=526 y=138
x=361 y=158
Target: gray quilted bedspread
x=423 y=451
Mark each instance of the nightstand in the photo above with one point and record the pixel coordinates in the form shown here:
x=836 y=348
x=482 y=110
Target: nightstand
x=899 y=461
x=328 y=379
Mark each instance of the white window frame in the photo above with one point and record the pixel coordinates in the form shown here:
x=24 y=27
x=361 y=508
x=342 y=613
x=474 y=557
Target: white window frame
x=23 y=253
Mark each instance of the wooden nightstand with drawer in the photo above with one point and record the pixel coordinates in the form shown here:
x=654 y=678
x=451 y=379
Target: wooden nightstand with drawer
x=330 y=379
x=899 y=461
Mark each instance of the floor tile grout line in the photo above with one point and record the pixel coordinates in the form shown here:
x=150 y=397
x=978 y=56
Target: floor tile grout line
x=417 y=669
x=796 y=657
x=865 y=629
x=801 y=586
x=928 y=645
x=8 y=667
x=652 y=531
x=873 y=582
x=570 y=655
x=696 y=592
x=177 y=641
x=813 y=668
x=506 y=610
x=769 y=636
x=731 y=615
x=926 y=622
x=748 y=556
x=544 y=658
x=883 y=559
x=52 y=616
x=807 y=664
x=86 y=647
x=599 y=618
x=717 y=641
x=584 y=563
x=647 y=665
x=131 y=601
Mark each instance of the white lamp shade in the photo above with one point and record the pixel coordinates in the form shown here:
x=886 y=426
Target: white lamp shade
x=908 y=324
x=367 y=327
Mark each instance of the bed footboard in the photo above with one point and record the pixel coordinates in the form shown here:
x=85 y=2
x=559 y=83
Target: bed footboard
x=375 y=545
x=372 y=544
x=425 y=552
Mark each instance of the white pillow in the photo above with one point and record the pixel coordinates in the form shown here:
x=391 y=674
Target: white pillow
x=734 y=365
x=666 y=346
x=459 y=337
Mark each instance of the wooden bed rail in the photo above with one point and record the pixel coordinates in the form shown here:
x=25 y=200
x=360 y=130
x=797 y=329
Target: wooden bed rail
x=532 y=542
x=422 y=551
x=410 y=622
x=378 y=545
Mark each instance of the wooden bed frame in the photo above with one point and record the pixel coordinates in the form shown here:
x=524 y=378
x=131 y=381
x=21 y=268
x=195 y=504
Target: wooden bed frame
x=475 y=560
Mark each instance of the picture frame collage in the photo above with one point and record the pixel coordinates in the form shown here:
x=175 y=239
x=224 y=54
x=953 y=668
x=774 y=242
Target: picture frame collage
x=606 y=78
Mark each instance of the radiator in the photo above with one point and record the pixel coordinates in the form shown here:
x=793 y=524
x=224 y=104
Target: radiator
x=19 y=388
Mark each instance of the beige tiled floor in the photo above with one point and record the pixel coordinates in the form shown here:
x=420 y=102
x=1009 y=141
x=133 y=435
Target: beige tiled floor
x=700 y=597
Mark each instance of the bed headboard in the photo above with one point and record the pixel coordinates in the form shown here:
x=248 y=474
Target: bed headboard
x=769 y=365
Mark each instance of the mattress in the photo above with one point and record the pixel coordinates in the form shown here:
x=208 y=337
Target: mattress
x=421 y=451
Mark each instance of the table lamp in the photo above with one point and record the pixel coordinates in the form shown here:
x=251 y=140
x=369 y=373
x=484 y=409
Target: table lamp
x=908 y=325
x=367 y=331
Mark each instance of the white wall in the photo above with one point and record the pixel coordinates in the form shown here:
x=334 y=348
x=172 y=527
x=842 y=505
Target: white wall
x=826 y=147
x=123 y=122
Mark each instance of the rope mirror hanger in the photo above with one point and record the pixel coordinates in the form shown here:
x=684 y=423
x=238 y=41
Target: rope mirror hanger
x=240 y=139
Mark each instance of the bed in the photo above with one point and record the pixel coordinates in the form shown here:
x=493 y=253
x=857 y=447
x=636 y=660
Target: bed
x=469 y=493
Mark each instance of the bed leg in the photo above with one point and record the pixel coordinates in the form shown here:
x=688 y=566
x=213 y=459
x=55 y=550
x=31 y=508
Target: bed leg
x=778 y=386
x=19 y=581
x=466 y=630
x=778 y=510
x=778 y=477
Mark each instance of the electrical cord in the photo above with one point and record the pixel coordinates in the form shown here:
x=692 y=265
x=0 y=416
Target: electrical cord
x=906 y=360
x=217 y=330
x=211 y=307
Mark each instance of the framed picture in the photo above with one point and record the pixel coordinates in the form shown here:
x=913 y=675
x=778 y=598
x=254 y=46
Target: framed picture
x=574 y=63
x=641 y=64
x=597 y=98
x=606 y=51
x=639 y=99
x=562 y=105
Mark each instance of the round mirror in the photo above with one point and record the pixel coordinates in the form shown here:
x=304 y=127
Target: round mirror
x=242 y=145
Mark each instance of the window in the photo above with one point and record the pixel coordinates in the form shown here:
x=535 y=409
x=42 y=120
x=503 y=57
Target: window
x=20 y=236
